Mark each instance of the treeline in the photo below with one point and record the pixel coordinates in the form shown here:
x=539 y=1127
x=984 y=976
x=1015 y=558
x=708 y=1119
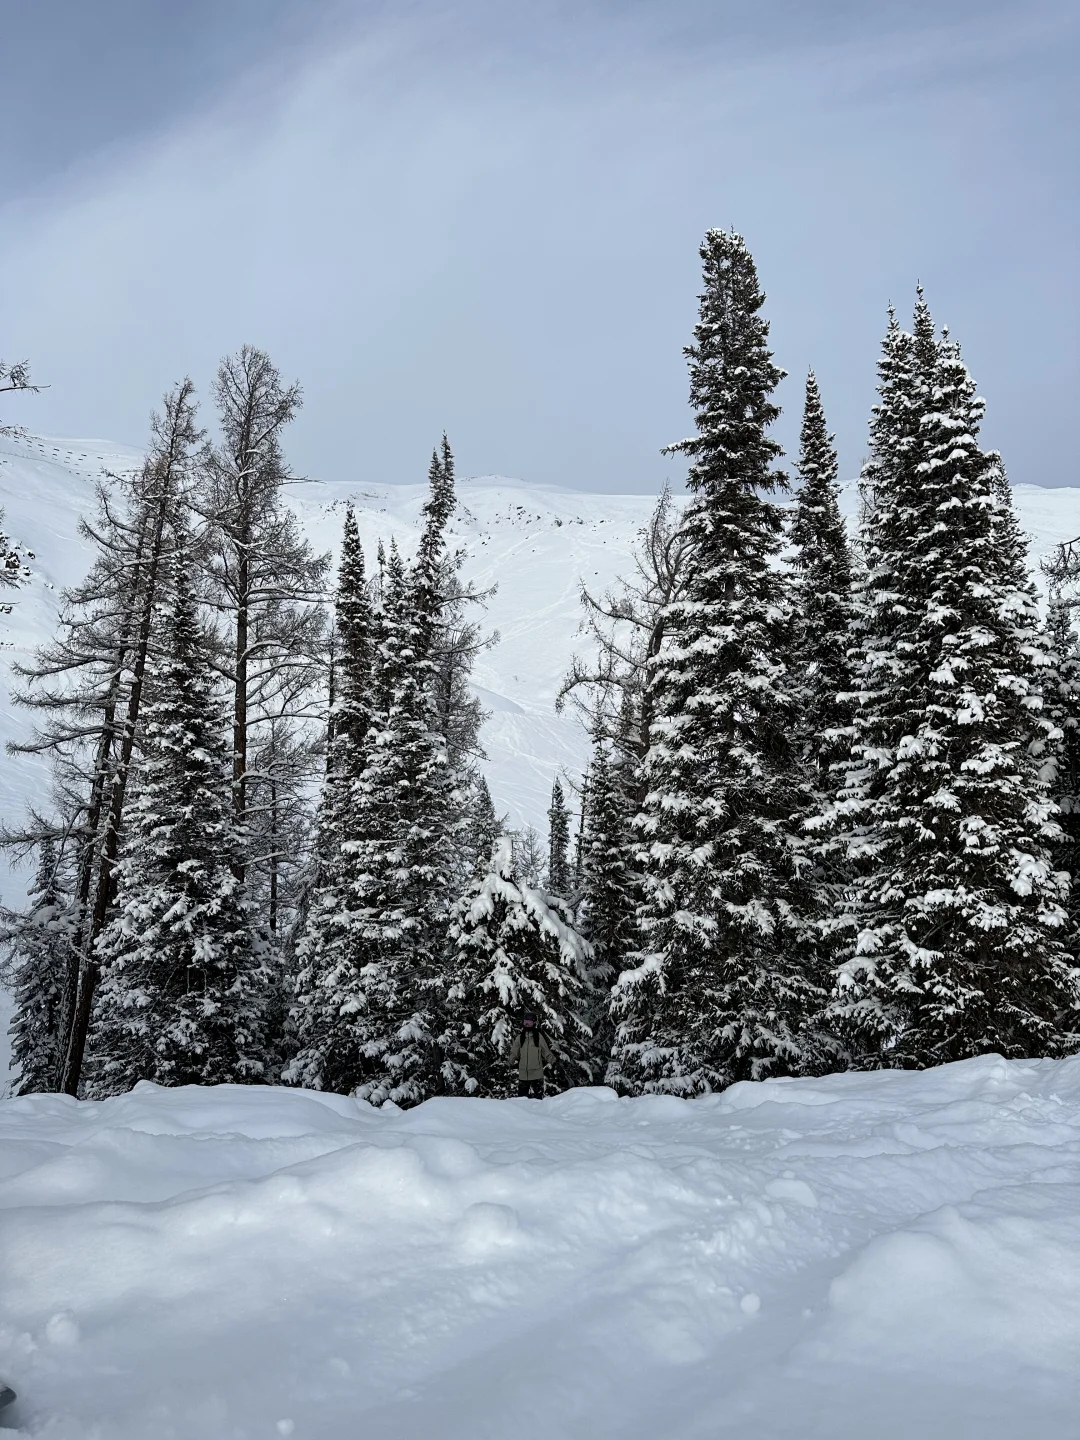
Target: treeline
x=830 y=819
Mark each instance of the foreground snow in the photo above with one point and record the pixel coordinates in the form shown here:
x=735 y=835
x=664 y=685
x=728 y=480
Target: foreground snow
x=893 y=1255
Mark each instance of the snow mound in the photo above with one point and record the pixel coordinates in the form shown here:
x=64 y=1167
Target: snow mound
x=892 y=1254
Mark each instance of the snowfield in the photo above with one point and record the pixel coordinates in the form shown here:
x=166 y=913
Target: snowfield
x=895 y=1255
x=534 y=543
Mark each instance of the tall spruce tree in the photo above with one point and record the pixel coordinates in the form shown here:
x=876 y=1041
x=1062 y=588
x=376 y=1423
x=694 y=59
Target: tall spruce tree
x=953 y=929
x=610 y=887
x=351 y=715
x=515 y=948
x=717 y=994
x=40 y=941
x=558 y=873
x=328 y=990
x=824 y=610
x=408 y=812
x=387 y=980
x=181 y=996
x=483 y=827
x=609 y=877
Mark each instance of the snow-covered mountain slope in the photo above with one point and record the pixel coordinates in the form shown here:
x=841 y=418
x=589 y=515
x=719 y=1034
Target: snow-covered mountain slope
x=894 y=1255
x=533 y=542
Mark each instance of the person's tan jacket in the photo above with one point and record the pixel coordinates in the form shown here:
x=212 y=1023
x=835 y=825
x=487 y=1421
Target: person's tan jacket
x=529 y=1056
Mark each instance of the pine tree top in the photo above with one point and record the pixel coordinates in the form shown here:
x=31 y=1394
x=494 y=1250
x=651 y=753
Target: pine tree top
x=732 y=375
x=817 y=522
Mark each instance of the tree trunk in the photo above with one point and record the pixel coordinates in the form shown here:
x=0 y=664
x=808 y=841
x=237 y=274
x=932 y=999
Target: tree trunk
x=240 y=705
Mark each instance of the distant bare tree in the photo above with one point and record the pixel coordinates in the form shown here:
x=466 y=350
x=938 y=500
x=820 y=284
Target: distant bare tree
x=16 y=376
x=626 y=625
x=267 y=588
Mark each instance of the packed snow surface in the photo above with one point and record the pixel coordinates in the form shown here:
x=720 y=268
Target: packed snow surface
x=890 y=1255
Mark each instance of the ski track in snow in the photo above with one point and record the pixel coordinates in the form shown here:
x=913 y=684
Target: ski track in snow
x=895 y=1255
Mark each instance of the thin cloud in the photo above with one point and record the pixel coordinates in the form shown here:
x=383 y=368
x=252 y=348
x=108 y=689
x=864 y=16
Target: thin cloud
x=433 y=226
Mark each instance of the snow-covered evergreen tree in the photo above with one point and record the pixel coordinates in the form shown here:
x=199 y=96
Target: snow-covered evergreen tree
x=953 y=930
x=181 y=994
x=356 y=636
x=483 y=827
x=577 y=870
x=384 y=983
x=327 y=990
x=558 y=871
x=39 y=941
x=609 y=877
x=824 y=611
x=407 y=811
x=515 y=948
x=1061 y=692
x=717 y=992
x=610 y=886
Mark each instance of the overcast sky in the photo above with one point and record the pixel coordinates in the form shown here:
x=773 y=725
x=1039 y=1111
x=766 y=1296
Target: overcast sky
x=485 y=216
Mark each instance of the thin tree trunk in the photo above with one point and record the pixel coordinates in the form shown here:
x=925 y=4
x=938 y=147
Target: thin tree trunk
x=272 y=918
x=240 y=705
x=87 y=865
x=70 y=983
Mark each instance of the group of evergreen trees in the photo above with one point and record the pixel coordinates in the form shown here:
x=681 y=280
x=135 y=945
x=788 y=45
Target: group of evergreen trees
x=831 y=816
x=844 y=833
x=188 y=922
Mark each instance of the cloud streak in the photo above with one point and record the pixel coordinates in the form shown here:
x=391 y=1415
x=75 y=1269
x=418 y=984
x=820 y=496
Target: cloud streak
x=447 y=220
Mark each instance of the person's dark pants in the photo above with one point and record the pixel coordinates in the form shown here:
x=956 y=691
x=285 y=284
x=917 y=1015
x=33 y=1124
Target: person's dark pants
x=534 y=1089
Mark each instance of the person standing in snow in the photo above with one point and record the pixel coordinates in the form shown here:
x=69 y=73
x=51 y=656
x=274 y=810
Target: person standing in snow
x=531 y=1053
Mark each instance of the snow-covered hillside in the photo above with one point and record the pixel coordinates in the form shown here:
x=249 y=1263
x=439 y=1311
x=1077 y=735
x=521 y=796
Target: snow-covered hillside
x=533 y=542
x=893 y=1255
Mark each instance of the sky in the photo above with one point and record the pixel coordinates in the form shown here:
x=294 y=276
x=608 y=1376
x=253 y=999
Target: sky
x=485 y=217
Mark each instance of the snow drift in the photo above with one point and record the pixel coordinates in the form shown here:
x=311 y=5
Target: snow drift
x=893 y=1254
